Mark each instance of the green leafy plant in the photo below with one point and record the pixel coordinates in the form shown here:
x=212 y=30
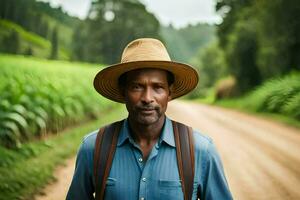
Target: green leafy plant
x=39 y=97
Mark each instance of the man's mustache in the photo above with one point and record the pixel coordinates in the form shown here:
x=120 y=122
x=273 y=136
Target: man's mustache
x=147 y=107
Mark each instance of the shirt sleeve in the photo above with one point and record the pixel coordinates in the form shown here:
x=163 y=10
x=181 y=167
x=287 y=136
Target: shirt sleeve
x=82 y=183
x=215 y=186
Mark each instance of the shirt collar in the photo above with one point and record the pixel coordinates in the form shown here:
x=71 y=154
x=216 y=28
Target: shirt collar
x=124 y=134
x=167 y=135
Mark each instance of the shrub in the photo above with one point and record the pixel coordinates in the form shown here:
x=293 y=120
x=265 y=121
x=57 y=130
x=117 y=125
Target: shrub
x=278 y=95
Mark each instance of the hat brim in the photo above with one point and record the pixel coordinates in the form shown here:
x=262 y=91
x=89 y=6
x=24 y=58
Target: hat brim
x=106 y=81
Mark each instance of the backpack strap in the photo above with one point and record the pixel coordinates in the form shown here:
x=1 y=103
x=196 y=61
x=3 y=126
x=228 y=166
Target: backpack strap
x=105 y=148
x=185 y=157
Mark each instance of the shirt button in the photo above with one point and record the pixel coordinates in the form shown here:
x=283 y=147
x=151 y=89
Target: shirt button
x=144 y=179
x=140 y=159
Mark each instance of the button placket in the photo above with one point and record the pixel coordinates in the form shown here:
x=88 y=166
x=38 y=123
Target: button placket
x=141 y=163
x=146 y=172
x=144 y=180
x=139 y=157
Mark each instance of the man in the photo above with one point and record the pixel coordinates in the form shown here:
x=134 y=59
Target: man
x=144 y=165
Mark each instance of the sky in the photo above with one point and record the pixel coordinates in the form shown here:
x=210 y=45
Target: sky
x=178 y=12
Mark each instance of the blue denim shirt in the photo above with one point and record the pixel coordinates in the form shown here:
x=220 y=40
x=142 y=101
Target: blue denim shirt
x=132 y=178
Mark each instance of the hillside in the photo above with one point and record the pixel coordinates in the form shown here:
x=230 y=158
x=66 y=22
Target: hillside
x=40 y=19
x=25 y=42
x=183 y=44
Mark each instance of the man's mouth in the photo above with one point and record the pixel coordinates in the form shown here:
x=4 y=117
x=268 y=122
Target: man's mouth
x=147 y=110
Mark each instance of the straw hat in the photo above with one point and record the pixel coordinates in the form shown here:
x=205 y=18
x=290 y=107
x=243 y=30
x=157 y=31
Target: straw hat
x=145 y=53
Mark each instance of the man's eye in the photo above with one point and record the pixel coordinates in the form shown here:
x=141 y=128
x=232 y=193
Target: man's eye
x=136 y=87
x=159 y=87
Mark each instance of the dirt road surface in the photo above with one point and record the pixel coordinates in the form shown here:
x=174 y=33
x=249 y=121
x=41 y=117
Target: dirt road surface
x=261 y=158
x=58 y=190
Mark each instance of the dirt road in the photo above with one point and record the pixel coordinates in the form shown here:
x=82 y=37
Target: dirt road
x=261 y=158
x=58 y=190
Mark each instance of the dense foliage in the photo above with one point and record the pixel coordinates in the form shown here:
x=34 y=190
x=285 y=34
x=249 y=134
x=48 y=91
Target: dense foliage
x=14 y=39
x=260 y=39
x=100 y=37
x=110 y=26
x=278 y=95
x=210 y=63
x=37 y=18
x=39 y=97
x=34 y=15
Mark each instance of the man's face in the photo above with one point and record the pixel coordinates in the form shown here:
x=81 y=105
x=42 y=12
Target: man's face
x=146 y=95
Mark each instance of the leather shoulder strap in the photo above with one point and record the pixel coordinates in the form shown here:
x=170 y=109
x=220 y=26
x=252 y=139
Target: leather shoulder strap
x=105 y=147
x=185 y=157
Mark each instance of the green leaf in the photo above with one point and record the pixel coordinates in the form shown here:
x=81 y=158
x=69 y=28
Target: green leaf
x=18 y=108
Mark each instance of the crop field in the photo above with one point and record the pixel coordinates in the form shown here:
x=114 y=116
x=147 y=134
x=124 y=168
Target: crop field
x=40 y=97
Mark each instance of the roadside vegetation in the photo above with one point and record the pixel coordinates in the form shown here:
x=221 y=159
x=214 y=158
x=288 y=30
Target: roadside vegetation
x=46 y=107
x=40 y=97
x=277 y=98
x=24 y=171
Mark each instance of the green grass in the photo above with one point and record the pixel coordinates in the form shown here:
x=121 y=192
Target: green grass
x=23 y=172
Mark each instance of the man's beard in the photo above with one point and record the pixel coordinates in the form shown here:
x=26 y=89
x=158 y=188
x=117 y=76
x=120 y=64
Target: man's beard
x=147 y=115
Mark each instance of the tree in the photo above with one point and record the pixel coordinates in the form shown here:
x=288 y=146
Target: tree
x=260 y=37
x=29 y=51
x=211 y=66
x=12 y=43
x=79 y=47
x=113 y=23
x=210 y=63
x=44 y=29
x=54 y=44
x=183 y=43
x=278 y=28
x=242 y=57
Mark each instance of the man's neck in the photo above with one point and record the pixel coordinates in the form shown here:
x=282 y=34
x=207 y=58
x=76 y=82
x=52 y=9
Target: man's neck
x=146 y=134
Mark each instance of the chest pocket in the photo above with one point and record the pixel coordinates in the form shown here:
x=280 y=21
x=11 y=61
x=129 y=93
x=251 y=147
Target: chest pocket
x=170 y=189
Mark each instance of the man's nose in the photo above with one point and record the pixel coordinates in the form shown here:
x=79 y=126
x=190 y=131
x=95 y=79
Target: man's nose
x=147 y=96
